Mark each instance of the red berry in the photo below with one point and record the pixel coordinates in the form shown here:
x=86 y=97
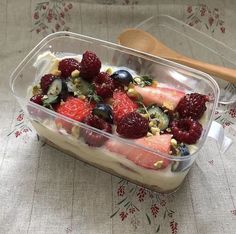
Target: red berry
x=192 y=105
x=104 y=85
x=46 y=81
x=132 y=125
x=66 y=66
x=75 y=108
x=90 y=65
x=38 y=99
x=186 y=130
x=93 y=138
x=122 y=105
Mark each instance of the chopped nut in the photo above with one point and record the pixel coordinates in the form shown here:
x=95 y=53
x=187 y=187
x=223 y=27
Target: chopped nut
x=56 y=72
x=158 y=164
x=154 y=83
x=36 y=90
x=126 y=88
x=109 y=71
x=145 y=115
x=81 y=97
x=132 y=92
x=152 y=123
x=154 y=130
x=168 y=105
x=75 y=73
x=75 y=131
x=173 y=142
x=149 y=134
x=137 y=80
x=168 y=130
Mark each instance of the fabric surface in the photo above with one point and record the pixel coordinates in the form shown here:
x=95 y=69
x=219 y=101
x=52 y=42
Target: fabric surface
x=44 y=191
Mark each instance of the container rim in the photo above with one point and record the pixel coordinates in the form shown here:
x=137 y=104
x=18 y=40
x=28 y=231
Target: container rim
x=136 y=53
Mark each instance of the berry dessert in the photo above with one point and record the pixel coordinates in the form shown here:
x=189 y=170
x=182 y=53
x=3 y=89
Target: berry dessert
x=123 y=122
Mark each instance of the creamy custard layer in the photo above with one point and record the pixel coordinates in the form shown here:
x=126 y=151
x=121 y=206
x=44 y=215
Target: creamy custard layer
x=163 y=180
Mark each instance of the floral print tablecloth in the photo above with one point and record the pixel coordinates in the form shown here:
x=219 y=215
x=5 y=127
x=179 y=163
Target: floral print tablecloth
x=131 y=209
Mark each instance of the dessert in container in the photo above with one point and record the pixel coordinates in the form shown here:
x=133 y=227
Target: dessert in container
x=61 y=44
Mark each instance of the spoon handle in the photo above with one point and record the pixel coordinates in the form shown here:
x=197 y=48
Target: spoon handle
x=224 y=73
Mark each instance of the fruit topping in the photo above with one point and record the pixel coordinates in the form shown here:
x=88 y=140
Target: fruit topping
x=192 y=105
x=186 y=130
x=67 y=66
x=38 y=99
x=142 y=157
x=92 y=138
x=184 y=151
x=58 y=87
x=132 y=125
x=122 y=105
x=75 y=108
x=90 y=65
x=122 y=77
x=163 y=97
x=103 y=111
x=104 y=85
x=158 y=117
x=46 y=81
x=143 y=81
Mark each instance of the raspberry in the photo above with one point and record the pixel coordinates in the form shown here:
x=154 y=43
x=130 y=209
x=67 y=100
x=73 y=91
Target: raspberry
x=90 y=65
x=66 y=66
x=122 y=105
x=104 y=85
x=192 y=105
x=46 y=81
x=93 y=138
x=132 y=125
x=38 y=99
x=186 y=130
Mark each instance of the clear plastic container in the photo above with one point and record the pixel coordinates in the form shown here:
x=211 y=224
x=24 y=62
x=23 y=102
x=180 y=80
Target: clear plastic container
x=44 y=120
x=195 y=44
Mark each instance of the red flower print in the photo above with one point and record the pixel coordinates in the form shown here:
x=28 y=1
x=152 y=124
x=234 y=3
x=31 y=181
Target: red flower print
x=17 y=133
x=65 y=9
x=163 y=203
x=189 y=9
x=20 y=117
x=70 y=5
x=174 y=227
x=211 y=162
x=155 y=210
x=25 y=130
x=141 y=194
x=232 y=112
x=123 y=215
x=62 y=14
x=36 y=15
x=121 y=191
x=190 y=24
x=38 y=30
x=44 y=7
x=210 y=21
x=131 y=210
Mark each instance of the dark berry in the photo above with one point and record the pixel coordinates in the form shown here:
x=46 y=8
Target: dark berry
x=103 y=111
x=92 y=138
x=104 y=85
x=90 y=65
x=38 y=99
x=184 y=151
x=46 y=81
x=122 y=77
x=132 y=125
x=67 y=66
x=192 y=105
x=186 y=130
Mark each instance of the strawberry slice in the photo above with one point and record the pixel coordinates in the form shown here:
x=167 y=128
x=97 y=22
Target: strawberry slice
x=73 y=108
x=162 y=96
x=141 y=157
x=122 y=105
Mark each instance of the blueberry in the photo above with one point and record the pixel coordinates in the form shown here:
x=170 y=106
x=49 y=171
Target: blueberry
x=182 y=165
x=122 y=76
x=103 y=111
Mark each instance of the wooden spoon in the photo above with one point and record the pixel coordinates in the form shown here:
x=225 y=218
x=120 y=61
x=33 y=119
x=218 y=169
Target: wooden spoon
x=143 y=41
